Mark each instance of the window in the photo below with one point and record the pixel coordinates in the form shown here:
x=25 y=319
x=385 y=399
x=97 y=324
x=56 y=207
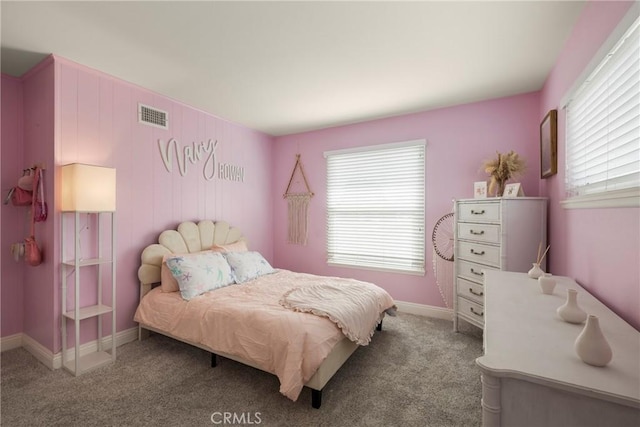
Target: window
x=603 y=125
x=375 y=207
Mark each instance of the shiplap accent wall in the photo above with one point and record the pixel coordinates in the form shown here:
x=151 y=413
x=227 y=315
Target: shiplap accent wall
x=76 y=114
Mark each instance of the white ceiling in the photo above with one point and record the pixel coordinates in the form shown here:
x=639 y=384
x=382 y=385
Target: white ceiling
x=287 y=67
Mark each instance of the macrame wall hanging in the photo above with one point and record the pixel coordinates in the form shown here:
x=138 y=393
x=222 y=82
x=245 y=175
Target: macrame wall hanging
x=298 y=204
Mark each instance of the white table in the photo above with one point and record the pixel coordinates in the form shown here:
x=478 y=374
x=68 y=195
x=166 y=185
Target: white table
x=531 y=375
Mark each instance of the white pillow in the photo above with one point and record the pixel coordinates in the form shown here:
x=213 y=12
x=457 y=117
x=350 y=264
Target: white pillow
x=168 y=283
x=199 y=272
x=247 y=265
x=239 y=246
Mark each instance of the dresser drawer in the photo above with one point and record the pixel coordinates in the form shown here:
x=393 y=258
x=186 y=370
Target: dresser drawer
x=489 y=233
x=478 y=252
x=472 y=271
x=470 y=290
x=472 y=311
x=479 y=212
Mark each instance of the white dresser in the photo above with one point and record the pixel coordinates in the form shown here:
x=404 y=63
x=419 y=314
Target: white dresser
x=493 y=234
x=531 y=375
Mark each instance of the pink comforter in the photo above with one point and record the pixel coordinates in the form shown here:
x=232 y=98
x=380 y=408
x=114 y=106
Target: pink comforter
x=248 y=321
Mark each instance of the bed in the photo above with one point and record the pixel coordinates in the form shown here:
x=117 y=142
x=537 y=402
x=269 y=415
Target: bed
x=299 y=327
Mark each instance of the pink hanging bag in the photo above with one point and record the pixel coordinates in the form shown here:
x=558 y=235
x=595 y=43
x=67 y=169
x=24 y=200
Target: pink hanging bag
x=41 y=210
x=32 y=253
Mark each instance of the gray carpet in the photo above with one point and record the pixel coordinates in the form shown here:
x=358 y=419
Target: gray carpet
x=416 y=372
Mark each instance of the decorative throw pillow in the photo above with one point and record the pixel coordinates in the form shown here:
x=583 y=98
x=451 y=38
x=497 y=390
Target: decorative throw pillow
x=199 y=272
x=168 y=283
x=239 y=246
x=247 y=265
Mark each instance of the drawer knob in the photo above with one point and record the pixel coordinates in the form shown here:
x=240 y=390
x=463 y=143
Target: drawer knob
x=477 y=233
x=475 y=312
x=477 y=273
x=476 y=253
x=476 y=293
x=477 y=212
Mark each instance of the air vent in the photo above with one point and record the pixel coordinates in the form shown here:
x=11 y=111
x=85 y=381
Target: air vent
x=153 y=117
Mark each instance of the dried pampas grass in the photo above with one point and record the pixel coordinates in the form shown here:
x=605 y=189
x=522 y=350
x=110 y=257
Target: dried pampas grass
x=503 y=168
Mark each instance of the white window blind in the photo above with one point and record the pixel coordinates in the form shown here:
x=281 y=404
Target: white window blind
x=375 y=207
x=603 y=123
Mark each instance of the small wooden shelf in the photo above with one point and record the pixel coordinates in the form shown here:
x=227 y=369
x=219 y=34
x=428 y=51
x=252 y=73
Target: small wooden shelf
x=88 y=362
x=89 y=311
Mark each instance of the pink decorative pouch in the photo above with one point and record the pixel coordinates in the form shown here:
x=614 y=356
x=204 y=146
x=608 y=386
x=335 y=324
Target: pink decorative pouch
x=21 y=197
x=32 y=253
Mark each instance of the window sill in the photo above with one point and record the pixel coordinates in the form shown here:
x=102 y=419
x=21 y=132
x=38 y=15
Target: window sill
x=627 y=198
x=367 y=267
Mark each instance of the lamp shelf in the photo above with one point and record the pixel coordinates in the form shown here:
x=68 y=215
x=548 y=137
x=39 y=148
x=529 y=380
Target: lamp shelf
x=88 y=362
x=103 y=284
x=86 y=262
x=89 y=311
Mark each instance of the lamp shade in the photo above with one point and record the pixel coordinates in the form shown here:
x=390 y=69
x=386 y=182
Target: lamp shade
x=88 y=188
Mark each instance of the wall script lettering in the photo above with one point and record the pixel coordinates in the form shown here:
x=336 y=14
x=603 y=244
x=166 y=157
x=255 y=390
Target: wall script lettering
x=191 y=154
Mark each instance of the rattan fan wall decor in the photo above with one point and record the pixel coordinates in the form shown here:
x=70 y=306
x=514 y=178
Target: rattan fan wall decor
x=442 y=239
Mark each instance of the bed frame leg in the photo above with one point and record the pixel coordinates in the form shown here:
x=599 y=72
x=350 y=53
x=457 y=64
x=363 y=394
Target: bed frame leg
x=379 y=327
x=143 y=334
x=316 y=398
x=214 y=360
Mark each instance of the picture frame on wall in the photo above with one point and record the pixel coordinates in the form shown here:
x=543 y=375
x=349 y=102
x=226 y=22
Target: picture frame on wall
x=513 y=190
x=549 y=145
x=480 y=189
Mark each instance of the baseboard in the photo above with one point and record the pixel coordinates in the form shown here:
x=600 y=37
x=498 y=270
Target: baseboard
x=425 y=310
x=40 y=352
x=10 y=342
x=54 y=361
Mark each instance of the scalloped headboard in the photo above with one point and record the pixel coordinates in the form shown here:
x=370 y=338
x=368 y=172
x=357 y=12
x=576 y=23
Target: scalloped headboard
x=189 y=237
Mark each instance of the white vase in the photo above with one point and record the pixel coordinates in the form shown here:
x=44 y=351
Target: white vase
x=535 y=271
x=591 y=345
x=547 y=283
x=570 y=311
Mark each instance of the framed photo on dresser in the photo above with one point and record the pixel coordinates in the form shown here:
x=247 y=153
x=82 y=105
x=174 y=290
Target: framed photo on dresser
x=480 y=190
x=513 y=190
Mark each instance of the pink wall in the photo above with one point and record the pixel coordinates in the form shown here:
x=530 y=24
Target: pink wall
x=38 y=141
x=95 y=118
x=98 y=125
x=600 y=248
x=11 y=275
x=459 y=139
